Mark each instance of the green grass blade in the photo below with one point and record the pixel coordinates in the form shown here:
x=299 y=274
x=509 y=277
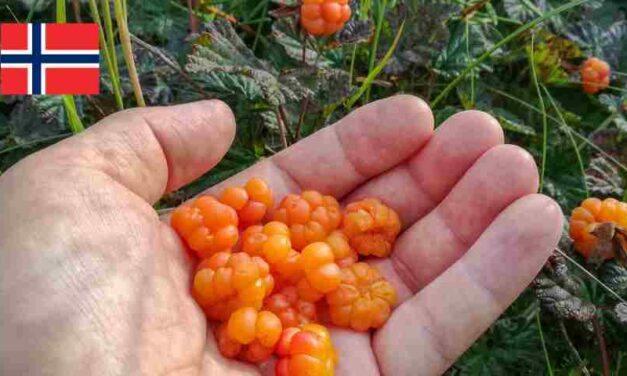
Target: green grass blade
x=125 y=39
x=375 y=72
x=375 y=43
x=545 y=128
x=117 y=92
x=549 y=368
x=552 y=118
x=502 y=42
x=568 y=132
x=74 y=120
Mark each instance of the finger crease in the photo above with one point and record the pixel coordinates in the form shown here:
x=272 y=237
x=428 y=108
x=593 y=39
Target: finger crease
x=361 y=174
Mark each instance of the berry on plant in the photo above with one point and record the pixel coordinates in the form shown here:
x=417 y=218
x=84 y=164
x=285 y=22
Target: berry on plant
x=590 y=213
x=249 y=334
x=371 y=227
x=311 y=216
x=206 y=225
x=322 y=275
x=292 y=310
x=226 y=282
x=324 y=17
x=595 y=75
x=251 y=201
x=363 y=300
x=305 y=351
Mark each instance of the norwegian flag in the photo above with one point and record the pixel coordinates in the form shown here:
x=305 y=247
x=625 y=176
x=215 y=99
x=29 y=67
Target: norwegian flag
x=50 y=59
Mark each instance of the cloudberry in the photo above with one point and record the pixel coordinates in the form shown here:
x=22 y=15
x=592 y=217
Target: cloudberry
x=371 y=227
x=363 y=300
x=206 y=225
x=591 y=212
x=595 y=75
x=306 y=351
x=310 y=215
x=226 y=282
x=343 y=253
x=270 y=241
x=251 y=201
x=322 y=275
x=292 y=310
x=324 y=17
x=250 y=335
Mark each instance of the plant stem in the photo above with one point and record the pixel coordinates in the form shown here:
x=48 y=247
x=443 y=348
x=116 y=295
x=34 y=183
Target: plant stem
x=375 y=72
x=573 y=349
x=545 y=132
x=500 y=43
x=382 y=5
x=110 y=36
x=74 y=120
x=301 y=119
x=546 y=352
x=172 y=64
x=282 y=131
x=598 y=330
x=472 y=74
x=125 y=39
x=76 y=6
x=193 y=20
x=117 y=92
x=581 y=137
x=569 y=133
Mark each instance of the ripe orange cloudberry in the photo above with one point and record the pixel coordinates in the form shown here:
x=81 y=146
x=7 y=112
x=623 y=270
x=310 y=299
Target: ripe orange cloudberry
x=322 y=275
x=363 y=300
x=371 y=227
x=324 y=17
x=251 y=201
x=311 y=216
x=270 y=241
x=305 y=351
x=292 y=310
x=591 y=212
x=595 y=75
x=250 y=335
x=206 y=225
x=226 y=282
x=343 y=253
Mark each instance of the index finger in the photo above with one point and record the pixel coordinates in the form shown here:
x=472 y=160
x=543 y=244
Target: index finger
x=339 y=158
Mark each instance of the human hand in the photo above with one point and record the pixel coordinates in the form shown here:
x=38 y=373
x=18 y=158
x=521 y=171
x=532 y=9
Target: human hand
x=93 y=282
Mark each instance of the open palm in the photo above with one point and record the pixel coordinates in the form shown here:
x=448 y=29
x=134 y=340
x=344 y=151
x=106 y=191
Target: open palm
x=93 y=282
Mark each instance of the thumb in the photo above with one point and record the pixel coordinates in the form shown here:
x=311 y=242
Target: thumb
x=152 y=150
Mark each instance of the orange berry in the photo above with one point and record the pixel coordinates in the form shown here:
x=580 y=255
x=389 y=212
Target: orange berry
x=342 y=252
x=322 y=275
x=226 y=282
x=310 y=216
x=250 y=334
x=363 y=300
x=292 y=310
x=305 y=351
x=206 y=225
x=371 y=227
x=271 y=241
x=235 y=197
x=595 y=75
x=324 y=17
x=251 y=201
x=591 y=212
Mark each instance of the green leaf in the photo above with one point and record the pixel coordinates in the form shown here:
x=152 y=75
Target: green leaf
x=511 y=122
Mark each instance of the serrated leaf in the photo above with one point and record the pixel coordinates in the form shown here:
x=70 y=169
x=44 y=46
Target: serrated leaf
x=615 y=277
x=603 y=178
x=511 y=122
x=621 y=312
x=293 y=46
x=355 y=31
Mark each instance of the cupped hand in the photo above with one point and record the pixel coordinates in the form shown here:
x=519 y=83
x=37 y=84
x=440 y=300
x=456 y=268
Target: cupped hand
x=94 y=282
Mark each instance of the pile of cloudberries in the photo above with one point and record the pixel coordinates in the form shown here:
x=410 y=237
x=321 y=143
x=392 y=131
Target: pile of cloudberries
x=272 y=276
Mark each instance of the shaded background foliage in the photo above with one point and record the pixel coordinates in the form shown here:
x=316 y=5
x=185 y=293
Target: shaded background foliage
x=251 y=54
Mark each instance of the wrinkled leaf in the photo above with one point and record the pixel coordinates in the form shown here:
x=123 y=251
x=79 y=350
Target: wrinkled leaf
x=603 y=178
x=355 y=31
x=621 y=312
x=511 y=122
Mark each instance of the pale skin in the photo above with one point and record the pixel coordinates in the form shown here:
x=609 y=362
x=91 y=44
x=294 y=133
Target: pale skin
x=94 y=282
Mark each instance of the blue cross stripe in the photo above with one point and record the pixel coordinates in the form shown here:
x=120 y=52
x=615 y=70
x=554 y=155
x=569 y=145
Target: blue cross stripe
x=36 y=59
